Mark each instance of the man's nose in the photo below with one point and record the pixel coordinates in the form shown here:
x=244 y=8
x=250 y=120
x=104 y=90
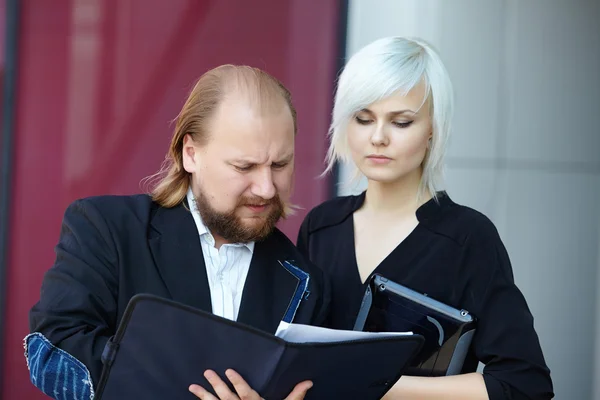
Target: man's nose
x=263 y=184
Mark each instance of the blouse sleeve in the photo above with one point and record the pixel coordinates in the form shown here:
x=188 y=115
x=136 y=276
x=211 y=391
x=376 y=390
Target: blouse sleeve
x=505 y=340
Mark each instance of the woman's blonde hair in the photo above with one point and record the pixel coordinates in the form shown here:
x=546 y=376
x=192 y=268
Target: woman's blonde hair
x=385 y=67
x=169 y=186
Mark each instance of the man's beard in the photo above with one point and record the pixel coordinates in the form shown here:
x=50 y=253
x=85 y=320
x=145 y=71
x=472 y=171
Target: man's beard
x=231 y=227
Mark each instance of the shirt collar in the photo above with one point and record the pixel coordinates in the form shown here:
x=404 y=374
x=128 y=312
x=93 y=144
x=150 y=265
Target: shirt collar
x=202 y=229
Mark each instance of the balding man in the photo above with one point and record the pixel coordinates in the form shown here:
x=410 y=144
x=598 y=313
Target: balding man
x=205 y=237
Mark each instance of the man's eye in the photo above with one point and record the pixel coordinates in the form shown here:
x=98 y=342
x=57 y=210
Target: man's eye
x=243 y=167
x=278 y=166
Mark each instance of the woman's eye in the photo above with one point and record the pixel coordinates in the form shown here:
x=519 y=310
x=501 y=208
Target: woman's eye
x=362 y=121
x=402 y=124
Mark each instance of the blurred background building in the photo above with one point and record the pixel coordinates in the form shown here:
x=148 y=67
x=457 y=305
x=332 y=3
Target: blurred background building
x=90 y=88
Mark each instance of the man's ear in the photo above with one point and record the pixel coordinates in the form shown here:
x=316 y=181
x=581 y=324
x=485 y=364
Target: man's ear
x=189 y=154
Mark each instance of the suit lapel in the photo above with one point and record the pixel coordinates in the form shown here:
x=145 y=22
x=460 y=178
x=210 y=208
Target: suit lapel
x=175 y=246
x=269 y=288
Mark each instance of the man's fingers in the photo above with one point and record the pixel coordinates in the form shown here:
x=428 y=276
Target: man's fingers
x=201 y=393
x=300 y=391
x=244 y=391
x=221 y=388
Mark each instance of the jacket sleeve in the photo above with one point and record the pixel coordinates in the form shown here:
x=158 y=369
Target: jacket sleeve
x=76 y=313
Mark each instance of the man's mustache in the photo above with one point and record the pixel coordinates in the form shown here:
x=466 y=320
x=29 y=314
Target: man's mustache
x=259 y=201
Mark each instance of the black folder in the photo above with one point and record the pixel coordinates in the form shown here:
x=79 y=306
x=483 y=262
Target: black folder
x=388 y=306
x=161 y=347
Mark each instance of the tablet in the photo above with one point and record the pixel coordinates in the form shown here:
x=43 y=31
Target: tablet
x=391 y=307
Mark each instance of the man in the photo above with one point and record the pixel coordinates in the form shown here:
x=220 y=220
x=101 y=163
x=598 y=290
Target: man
x=206 y=237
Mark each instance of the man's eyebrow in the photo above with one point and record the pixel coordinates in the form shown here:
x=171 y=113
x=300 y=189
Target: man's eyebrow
x=243 y=161
x=285 y=159
x=248 y=161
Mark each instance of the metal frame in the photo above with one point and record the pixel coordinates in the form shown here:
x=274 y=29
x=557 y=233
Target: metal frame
x=341 y=61
x=8 y=123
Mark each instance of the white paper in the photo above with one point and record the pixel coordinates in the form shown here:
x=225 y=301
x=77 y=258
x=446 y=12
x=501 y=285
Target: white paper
x=298 y=333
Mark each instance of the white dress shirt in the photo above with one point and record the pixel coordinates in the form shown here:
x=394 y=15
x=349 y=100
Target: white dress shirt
x=226 y=268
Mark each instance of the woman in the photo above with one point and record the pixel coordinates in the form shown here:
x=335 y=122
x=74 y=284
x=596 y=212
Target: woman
x=391 y=118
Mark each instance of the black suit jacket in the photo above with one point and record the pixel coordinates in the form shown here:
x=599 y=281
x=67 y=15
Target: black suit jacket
x=113 y=247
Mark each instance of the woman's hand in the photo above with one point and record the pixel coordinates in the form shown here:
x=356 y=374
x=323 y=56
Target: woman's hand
x=457 y=387
x=243 y=390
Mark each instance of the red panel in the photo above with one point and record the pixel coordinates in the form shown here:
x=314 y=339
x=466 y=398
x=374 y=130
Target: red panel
x=99 y=81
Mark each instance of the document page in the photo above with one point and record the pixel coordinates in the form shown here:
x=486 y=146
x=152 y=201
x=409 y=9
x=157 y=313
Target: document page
x=298 y=333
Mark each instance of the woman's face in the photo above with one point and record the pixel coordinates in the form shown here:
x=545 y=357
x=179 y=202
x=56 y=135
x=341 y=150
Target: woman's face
x=388 y=139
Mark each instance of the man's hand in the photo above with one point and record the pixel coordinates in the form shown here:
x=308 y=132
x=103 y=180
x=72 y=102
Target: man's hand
x=244 y=391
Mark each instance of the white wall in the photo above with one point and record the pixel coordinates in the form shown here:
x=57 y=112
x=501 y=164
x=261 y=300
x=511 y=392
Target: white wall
x=525 y=149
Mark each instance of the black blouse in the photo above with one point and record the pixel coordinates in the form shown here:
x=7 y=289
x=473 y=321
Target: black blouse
x=456 y=256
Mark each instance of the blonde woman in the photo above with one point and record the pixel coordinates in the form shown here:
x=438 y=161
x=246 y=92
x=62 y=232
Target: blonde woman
x=391 y=120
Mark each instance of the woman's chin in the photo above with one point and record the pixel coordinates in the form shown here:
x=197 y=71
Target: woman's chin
x=382 y=176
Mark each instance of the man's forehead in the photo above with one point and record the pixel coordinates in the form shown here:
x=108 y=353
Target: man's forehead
x=263 y=103
x=258 y=148
x=251 y=144
x=241 y=115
